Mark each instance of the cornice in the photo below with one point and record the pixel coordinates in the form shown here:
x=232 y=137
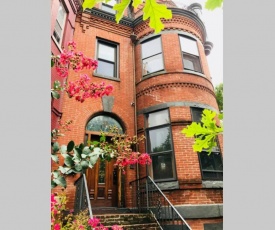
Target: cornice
x=109 y=16
x=173 y=85
x=180 y=12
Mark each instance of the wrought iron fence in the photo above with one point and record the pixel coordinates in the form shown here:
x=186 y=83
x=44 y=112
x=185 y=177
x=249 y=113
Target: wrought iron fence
x=82 y=200
x=147 y=197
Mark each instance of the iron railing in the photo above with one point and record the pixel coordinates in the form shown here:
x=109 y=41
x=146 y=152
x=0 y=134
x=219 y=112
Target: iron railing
x=147 y=197
x=82 y=199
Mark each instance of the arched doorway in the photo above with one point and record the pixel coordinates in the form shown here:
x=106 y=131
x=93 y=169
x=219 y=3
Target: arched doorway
x=103 y=180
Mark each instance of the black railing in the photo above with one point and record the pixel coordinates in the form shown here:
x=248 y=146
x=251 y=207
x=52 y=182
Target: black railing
x=147 y=197
x=82 y=199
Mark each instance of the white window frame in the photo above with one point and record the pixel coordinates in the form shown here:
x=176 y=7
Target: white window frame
x=61 y=24
x=190 y=54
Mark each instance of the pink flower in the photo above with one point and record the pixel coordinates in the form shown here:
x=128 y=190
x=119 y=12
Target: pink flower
x=93 y=222
x=62 y=72
x=56 y=227
x=72 y=45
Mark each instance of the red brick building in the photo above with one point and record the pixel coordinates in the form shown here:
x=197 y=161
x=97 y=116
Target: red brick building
x=161 y=84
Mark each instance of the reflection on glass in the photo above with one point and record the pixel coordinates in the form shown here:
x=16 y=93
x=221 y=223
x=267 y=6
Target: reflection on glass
x=106 y=52
x=189 y=46
x=188 y=64
x=158 y=118
x=151 y=48
x=101 y=172
x=102 y=123
x=162 y=167
x=159 y=140
x=105 y=68
x=152 y=64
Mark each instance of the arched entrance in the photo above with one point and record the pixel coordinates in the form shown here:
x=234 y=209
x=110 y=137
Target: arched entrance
x=103 y=180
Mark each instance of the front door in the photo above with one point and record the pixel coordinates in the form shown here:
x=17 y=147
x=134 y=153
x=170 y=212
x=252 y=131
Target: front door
x=102 y=182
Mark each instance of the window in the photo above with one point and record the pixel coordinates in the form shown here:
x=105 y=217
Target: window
x=152 y=60
x=109 y=6
x=160 y=146
x=190 y=54
x=211 y=165
x=60 y=24
x=107 y=59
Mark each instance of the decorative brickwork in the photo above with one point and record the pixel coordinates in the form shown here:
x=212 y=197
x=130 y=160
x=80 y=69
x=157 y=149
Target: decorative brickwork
x=173 y=85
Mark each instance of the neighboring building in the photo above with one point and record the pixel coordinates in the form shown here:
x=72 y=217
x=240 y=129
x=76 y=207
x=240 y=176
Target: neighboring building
x=63 y=15
x=161 y=84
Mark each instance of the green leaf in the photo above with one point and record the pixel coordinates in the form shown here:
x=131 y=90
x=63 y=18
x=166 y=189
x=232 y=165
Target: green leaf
x=136 y=3
x=68 y=161
x=213 y=4
x=93 y=159
x=90 y=3
x=55 y=94
x=57 y=85
x=86 y=150
x=60 y=181
x=78 y=167
x=155 y=12
x=220 y=116
x=53 y=184
x=70 y=146
x=55 y=158
x=120 y=8
x=95 y=143
x=84 y=164
x=52 y=62
x=55 y=147
x=102 y=138
x=63 y=149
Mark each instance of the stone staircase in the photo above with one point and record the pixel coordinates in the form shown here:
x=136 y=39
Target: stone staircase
x=129 y=221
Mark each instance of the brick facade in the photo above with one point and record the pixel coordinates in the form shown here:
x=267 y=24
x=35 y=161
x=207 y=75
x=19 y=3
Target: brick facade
x=135 y=95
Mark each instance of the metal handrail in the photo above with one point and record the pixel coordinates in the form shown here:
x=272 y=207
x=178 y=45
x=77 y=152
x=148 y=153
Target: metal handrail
x=148 y=197
x=82 y=199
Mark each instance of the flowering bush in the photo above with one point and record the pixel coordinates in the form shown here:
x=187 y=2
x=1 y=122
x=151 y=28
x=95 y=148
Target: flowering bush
x=60 y=221
x=80 y=89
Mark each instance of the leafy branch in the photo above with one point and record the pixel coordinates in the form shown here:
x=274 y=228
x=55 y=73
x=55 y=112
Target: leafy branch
x=205 y=132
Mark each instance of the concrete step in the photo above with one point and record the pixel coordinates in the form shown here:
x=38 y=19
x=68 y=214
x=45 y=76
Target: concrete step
x=129 y=221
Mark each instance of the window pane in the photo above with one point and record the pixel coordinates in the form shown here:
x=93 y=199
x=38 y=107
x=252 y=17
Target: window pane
x=211 y=165
x=152 y=64
x=212 y=175
x=217 y=161
x=106 y=52
x=105 y=68
x=162 y=167
x=188 y=64
x=61 y=15
x=189 y=46
x=159 y=140
x=158 y=118
x=151 y=47
x=102 y=123
x=196 y=114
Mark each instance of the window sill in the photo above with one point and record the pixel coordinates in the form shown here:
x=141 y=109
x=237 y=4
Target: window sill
x=212 y=184
x=153 y=74
x=194 y=72
x=105 y=77
x=170 y=185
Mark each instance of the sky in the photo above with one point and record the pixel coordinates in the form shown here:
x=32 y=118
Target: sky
x=213 y=21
